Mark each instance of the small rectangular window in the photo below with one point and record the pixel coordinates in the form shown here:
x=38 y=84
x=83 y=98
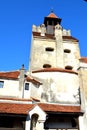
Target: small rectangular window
x=1 y=84
x=67 y=50
x=49 y=49
x=26 y=86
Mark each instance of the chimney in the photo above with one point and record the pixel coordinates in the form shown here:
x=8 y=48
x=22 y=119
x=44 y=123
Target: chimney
x=21 y=81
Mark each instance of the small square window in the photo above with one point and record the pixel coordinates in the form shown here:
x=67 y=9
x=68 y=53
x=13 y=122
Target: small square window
x=1 y=84
x=26 y=86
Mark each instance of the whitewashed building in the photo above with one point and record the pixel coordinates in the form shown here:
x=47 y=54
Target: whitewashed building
x=52 y=94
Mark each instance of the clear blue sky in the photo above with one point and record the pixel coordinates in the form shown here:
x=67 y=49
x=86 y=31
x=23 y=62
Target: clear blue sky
x=17 y=17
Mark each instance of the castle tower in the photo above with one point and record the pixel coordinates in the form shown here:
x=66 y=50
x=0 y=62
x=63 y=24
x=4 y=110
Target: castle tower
x=54 y=61
x=52 y=46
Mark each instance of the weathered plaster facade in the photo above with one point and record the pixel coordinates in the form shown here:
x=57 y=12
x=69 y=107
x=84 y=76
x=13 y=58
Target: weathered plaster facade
x=52 y=94
x=58 y=87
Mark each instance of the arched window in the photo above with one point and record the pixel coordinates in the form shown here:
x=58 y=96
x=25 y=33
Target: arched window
x=34 y=120
x=46 y=66
x=68 y=67
x=67 y=50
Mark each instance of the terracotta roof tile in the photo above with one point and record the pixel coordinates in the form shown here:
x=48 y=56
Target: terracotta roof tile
x=14 y=75
x=83 y=59
x=23 y=109
x=12 y=108
x=34 y=81
x=9 y=75
x=55 y=70
x=59 y=108
x=52 y=15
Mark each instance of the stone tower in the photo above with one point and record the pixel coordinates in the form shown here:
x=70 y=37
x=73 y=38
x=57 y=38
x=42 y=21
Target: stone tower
x=53 y=46
x=54 y=62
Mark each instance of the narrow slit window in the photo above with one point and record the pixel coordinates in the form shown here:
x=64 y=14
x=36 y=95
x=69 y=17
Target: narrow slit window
x=1 y=84
x=26 y=86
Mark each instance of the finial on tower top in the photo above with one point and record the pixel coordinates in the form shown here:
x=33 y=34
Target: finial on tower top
x=22 y=66
x=52 y=10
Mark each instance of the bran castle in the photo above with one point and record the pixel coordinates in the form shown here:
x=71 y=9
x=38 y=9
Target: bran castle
x=52 y=94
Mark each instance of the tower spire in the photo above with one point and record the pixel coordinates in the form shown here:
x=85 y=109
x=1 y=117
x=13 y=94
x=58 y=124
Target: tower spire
x=52 y=10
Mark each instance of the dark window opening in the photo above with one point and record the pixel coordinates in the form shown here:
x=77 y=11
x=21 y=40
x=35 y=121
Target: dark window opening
x=73 y=121
x=50 y=29
x=1 y=84
x=26 y=86
x=69 y=67
x=49 y=49
x=34 y=120
x=11 y=122
x=67 y=51
x=46 y=66
x=60 y=123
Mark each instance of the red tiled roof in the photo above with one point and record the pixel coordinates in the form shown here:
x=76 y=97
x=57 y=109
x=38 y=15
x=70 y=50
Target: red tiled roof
x=52 y=15
x=83 y=59
x=14 y=75
x=55 y=70
x=59 y=108
x=34 y=81
x=12 y=108
x=23 y=109
x=9 y=75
